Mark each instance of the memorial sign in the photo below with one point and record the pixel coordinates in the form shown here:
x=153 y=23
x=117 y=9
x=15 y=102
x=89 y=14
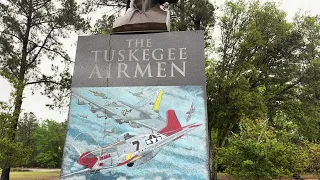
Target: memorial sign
x=138 y=108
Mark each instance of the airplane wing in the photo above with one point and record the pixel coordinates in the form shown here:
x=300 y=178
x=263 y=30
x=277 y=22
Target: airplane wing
x=147 y=157
x=145 y=111
x=108 y=111
x=119 y=119
x=85 y=170
x=75 y=173
x=139 y=123
x=136 y=108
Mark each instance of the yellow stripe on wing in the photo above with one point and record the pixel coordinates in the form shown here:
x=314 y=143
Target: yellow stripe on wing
x=158 y=101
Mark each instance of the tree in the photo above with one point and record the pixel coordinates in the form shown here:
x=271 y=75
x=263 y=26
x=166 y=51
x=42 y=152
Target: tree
x=14 y=152
x=190 y=15
x=50 y=138
x=27 y=126
x=265 y=67
x=304 y=106
x=230 y=96
x=5 y=116
x=30 y=36
x=104 y=25
x=113 y=10
x=313 y=150
x=257 y=153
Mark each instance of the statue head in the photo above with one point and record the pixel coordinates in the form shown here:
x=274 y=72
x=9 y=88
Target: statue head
x=144 y=15
x=145 y=5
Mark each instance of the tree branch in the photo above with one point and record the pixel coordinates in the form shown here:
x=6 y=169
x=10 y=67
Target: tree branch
x=44 y=3
x=41 y=47
x=43 y=81
x=57 y=52
x=13 y=35
x=283 y=91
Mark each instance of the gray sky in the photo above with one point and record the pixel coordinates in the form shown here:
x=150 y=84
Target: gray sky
x=36 y=103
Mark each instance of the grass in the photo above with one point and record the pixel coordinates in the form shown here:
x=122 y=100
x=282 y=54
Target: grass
x=224 y=176
x=34 y=175
x=55 y=175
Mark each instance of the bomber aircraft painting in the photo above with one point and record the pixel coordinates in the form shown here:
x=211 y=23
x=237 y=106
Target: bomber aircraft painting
x=100 y=94
x=123 y=112
x=191 y=112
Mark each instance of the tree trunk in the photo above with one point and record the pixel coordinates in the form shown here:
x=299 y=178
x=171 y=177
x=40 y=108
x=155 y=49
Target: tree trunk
x=213 y=157
x=14 y=124
x=5 y=173
x=16 y=112
x=214 y=163
x=197 y=23
x=128 y=4
x=183 y=16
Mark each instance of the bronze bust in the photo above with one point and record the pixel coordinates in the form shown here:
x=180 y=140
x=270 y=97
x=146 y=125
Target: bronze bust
x=144 y=15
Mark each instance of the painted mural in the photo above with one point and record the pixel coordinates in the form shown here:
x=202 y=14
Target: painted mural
x=147 y=132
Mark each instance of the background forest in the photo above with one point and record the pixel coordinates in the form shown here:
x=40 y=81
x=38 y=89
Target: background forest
x=263 y=81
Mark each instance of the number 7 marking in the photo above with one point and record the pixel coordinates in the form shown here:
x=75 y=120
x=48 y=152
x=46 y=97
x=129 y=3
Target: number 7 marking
x=137 y=143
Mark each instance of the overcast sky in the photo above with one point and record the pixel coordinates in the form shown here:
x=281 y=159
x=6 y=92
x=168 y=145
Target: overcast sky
x=36 y=103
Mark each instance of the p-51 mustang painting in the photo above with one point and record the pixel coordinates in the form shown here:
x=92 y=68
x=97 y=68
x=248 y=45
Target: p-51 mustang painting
x=134 y=150
x=129 y=136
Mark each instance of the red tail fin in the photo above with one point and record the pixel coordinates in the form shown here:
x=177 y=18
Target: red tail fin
x=173 y=124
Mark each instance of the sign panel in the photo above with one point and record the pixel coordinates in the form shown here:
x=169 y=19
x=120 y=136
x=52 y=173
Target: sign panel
x=138 y=108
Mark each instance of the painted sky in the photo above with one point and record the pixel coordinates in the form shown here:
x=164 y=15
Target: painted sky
x=185 y=158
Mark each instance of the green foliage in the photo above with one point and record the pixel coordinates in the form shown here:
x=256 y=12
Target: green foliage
x=256 y=153
x=104 y=25
x=265 y=68
x=5 y=118
x=18 y=154
x=36 y=145
x=30 y=36
x=26 y=127
x=190 y=15
x=50 y=138
x=313 y=150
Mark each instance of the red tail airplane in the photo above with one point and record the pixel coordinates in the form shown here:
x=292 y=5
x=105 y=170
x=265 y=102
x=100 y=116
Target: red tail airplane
x=133 y=150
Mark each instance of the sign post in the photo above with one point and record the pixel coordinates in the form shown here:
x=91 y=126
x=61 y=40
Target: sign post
x=138 y=108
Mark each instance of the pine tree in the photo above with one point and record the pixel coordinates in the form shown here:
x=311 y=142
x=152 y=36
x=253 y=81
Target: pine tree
x=31 y=33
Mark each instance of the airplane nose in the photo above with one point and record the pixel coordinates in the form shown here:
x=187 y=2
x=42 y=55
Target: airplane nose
x=87 y=159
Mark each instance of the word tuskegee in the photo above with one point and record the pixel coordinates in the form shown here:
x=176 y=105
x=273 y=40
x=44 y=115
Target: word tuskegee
x=139 y=59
